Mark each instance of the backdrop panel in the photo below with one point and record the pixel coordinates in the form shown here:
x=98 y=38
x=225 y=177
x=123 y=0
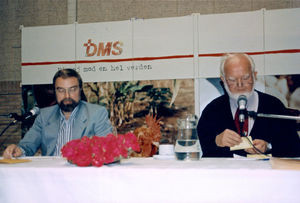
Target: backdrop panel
x=46 y=49
x=152 y=49
x=230 y=32
x=166 y=46
x=282 y=40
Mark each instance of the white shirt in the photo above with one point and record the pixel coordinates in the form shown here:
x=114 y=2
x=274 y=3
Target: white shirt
x=65 y=132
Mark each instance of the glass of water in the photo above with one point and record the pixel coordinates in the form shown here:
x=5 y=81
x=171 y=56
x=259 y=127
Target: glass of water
x=187 y=146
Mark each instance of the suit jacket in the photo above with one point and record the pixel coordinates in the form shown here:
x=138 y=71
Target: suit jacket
x=91 y=119
x=217 y=116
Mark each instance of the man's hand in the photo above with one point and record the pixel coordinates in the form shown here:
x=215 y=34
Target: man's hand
x=228 y=138
x=261 y=145
x=12 y=151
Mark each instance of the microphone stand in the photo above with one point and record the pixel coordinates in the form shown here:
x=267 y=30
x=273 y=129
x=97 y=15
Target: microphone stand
x=10 y=124
x=254 y=114
x=16 y=119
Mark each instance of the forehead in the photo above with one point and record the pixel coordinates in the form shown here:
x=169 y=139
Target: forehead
x=66 y=82
x=237 y=66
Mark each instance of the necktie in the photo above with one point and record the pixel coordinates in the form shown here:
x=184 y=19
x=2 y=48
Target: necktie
x=237 y=124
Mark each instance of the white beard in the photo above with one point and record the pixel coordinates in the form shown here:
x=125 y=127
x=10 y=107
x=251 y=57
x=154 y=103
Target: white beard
x=236 y=95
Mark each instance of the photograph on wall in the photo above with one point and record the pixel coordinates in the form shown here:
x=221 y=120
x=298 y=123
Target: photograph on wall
x=148 y=108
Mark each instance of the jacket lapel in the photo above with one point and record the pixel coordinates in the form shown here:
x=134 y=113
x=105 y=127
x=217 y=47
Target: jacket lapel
x=227 y=114
x=51 y=131
x=79 y=126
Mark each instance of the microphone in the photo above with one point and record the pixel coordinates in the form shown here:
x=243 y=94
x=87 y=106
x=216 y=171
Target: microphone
x=33 y=112
x=242 y=102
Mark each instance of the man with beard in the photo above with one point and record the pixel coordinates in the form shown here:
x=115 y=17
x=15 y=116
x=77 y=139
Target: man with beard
x=217 y=129
x=71 y=118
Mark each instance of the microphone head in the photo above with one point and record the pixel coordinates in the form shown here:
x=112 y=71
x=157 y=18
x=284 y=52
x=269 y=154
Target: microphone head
x=35 y=111
x=242 y=102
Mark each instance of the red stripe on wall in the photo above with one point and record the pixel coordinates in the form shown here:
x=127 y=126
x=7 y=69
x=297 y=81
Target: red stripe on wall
x=109 y=60
x=287 y=51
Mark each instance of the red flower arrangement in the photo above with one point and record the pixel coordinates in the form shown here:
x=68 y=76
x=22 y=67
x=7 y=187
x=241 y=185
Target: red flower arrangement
x=97 y=151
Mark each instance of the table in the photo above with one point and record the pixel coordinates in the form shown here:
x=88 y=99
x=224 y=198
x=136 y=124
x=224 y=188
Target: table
x=53 y=179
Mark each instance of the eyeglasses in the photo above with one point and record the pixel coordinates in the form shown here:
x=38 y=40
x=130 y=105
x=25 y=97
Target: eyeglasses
x=70 y=90
x=245 y=80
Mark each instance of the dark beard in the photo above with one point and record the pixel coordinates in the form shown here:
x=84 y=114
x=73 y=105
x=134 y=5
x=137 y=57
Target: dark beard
x=68 y=107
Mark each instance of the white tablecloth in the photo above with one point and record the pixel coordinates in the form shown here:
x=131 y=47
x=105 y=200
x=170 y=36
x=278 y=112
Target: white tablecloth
x=53 y=179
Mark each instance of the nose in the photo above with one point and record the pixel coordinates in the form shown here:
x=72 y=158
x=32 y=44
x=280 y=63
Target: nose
x=67 y=94
x=239 y=83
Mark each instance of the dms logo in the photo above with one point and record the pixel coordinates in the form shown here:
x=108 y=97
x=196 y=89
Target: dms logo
x=102 y=49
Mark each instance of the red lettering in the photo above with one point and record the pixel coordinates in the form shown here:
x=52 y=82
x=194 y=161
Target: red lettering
x=116 y=46
x=88 y=46
x=104 y=51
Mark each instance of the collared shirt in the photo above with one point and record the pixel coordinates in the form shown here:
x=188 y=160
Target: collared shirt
x=252 y=105
x=65 y=131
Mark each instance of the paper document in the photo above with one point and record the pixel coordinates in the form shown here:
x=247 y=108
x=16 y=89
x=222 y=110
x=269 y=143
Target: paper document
x=243 y=145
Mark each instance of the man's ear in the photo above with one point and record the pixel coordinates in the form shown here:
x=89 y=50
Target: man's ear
x=222 y=78
x=255 y=75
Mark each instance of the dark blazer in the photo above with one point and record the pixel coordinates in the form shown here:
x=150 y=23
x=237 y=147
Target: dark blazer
x=217 y=116
x=91 y=119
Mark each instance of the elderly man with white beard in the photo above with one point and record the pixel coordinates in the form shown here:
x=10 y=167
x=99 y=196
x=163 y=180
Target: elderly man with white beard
x=219 y=129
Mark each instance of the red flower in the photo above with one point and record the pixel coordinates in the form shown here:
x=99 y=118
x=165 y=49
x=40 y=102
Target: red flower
x=97 y=151
x=131 y=141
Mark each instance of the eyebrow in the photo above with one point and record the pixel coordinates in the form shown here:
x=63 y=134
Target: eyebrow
x=67 y=87
x=233 y=78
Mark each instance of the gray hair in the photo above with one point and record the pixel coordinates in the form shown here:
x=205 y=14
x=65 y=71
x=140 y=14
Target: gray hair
x=230 y=55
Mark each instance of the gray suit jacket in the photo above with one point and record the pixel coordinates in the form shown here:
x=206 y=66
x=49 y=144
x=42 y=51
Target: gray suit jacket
x=91 y=119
